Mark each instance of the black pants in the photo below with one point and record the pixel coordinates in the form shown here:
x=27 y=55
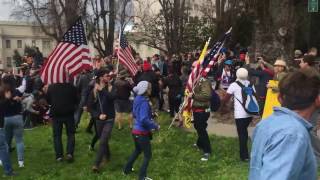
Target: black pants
x=200 y=124
x=104 y=129
x=96 y=135
x=142 y=144
x=91 y=124
x=242 y=129
x=57 y=125
x=174 y=104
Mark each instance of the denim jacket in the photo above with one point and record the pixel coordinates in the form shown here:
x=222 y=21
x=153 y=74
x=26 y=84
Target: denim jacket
x=281 y=148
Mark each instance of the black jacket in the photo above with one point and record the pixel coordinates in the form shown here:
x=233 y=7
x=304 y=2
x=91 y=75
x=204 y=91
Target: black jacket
x=102 y=104
x=12 y=107
x=175 y=85
x=63 y=99
x=123 y=89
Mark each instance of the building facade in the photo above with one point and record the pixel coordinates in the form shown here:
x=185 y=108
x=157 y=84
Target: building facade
x=18 y=35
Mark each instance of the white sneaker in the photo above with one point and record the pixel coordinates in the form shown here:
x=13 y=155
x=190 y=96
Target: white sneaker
x=0 y=163
x=21 y=164
x=205 y=157
x=147 y=178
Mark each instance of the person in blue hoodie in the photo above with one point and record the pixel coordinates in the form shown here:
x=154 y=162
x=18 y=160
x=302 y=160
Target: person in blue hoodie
x=142 y=129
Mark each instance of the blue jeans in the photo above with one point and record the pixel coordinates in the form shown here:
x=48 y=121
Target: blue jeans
x=142 y=144
x=4 y=153
x=13 y=126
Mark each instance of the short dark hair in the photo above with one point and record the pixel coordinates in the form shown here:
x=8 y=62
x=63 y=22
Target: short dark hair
x=299 y=89
x=309 y=59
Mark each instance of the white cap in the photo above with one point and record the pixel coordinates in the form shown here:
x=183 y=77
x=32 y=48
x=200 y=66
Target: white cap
x=242 y=74
x=141 y=88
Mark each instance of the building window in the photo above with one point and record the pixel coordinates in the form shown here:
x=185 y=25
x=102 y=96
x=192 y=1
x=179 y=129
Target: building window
x=9 y=62
x=33 y=43
x=46 y=45
x=8 y=44
x=19 y=43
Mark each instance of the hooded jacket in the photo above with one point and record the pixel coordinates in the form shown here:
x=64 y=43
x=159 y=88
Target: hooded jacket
x=142 y=114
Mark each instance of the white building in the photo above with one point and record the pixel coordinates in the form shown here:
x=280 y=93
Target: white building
x=18 y=35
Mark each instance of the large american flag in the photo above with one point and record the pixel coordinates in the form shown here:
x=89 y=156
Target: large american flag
x=201 y=70
x=125 y=55
x=69 y=58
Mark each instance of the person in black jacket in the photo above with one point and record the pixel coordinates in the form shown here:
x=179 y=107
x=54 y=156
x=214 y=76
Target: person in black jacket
x=63 y=100
x=150 y=76
x=122 y=103
x=101 y=105
x=82 y=84
x=175 y=91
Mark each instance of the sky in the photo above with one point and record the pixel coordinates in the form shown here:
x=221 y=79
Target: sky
x=5 y=10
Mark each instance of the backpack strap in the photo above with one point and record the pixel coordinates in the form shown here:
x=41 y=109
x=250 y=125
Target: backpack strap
x=240 y=84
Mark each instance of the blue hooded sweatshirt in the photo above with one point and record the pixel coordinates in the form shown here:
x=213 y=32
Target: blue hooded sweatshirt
x=142 y=114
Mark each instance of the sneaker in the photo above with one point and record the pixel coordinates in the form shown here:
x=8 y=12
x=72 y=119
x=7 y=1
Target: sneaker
x=91 y=148
x=28 y=128
x=95 y=169
x=196 y=147
x=147 y=178
x=59 y=159
x=205 y=157
x=69 y=158
x=125 y=172
x=21 y=164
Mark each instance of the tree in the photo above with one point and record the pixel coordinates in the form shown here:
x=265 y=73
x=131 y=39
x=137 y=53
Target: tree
x=17 y=58
x=197 y=31
x=29 y=51
x=101 y=24
x=165 y=29
x=53 y=16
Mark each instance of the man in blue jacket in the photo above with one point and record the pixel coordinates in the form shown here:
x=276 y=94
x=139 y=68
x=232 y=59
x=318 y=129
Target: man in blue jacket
x=281 y=147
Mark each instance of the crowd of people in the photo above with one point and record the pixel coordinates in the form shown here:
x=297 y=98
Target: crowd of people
x=108 y=93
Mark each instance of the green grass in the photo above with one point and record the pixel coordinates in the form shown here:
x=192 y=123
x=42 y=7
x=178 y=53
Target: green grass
x=173 y=157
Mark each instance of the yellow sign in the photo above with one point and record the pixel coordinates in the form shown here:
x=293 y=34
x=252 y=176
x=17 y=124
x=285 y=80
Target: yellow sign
x=271 y=99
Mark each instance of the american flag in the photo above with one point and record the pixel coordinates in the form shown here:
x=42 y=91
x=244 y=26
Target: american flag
x=69 y=58
x=125 y=55
x=201 y=70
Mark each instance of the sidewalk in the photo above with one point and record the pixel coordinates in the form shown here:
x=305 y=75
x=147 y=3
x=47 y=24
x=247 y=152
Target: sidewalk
x=220 y=129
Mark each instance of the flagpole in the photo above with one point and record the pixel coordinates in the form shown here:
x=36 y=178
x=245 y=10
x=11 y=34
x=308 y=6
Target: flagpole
x=200 y=60
x=117 y=66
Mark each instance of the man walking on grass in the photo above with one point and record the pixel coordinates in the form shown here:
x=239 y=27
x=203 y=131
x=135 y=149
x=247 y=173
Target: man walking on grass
x=63 y=100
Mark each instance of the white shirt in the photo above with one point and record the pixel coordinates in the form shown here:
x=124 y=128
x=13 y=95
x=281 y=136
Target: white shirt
x=235 y=90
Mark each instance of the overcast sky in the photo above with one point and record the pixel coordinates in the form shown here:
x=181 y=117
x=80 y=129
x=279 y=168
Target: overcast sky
x=5 y=10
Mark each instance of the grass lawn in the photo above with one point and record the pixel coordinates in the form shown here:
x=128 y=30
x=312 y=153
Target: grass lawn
x=173 y=156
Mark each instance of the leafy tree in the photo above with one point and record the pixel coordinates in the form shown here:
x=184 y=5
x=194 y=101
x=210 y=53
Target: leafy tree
x=29 y=51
